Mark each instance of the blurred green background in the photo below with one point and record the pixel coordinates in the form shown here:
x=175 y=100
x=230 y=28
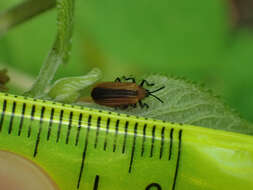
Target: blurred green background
x=192 y=39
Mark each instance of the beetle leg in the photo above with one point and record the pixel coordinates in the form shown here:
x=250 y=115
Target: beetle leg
x=142 y=105
x=147 y=83
x=134 y=105
x=117 y=80
x=129 y=78
x=123 y=107
x=146 y=105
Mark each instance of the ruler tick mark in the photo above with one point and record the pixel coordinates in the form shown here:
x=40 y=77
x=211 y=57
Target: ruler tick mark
x=39 y=132
x=69 y=127
x=59 y=126
x=153 y=141
x=95 y=187
x=106 y=134
x=50 y=124
x=143 y=140
x=79 y=128
x=84 y=152
x=133 y=148
x=32 y=118
x=125 y=138
x=171 y=143
x=2 y=115
x=22 y=119
x=12 y=117
x=162 y=142
x=116 y=136
x=178 y=158
x=97 y=132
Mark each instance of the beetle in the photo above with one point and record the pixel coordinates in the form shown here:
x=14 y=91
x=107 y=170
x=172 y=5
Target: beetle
x=120 y=94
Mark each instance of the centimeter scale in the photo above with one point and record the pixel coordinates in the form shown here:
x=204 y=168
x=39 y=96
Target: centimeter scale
x=82 y=148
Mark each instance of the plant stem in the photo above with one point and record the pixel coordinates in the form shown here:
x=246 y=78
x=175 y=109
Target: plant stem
x=22 y=12
x=61 y=49
x=47 y=72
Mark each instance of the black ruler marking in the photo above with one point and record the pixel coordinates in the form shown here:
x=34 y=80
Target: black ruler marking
x=107 y=131
x=96 y=182
x=22 y=119
x=125 y=138
x=39 y=132
x=84 y=152
x=133 y=148
x=32 y=118
x=2 y=115
x=69 y=127
x=162 y=142
x=171 y=142
x=97 y=132
x=50 y=124
x=178 y=158
x=12 y=117
x=79 y=128
x=156 y=185
x=59 y=126
x=116 y=136
x=153 y=141
x=143 y=140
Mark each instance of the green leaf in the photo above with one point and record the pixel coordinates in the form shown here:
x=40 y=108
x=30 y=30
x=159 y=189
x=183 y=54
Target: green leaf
x=188 y=103
x=68 y=90
x=60 y=51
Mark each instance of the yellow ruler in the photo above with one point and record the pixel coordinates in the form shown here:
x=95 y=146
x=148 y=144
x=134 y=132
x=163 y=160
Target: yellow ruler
x=83 y=148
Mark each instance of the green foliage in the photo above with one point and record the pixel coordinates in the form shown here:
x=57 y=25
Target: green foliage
x=68 y=90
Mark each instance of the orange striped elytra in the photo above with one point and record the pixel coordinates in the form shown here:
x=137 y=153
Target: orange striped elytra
x=122 y=94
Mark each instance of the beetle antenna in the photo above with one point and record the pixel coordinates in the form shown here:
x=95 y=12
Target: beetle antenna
x=157 y=90
x=156 y=97
x=150 y=93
